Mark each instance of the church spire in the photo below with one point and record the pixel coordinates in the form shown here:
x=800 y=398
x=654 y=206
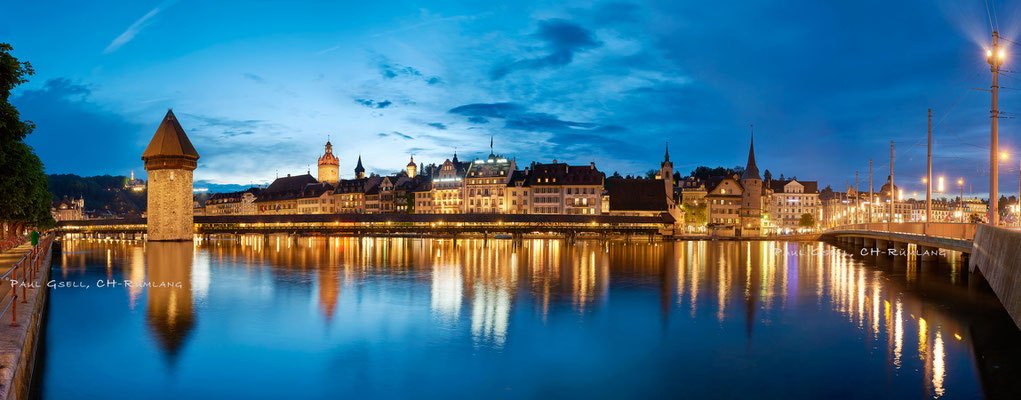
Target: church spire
x=666 y=157
x=359 y=169
x=751 y=171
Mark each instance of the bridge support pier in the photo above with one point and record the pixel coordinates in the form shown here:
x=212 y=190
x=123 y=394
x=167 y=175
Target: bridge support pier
x=882 y=245
x=901 y=248
x=859 y=242
x=869 y=243
x=928 y=254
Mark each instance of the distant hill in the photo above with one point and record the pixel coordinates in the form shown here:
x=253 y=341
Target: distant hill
x=101 y=193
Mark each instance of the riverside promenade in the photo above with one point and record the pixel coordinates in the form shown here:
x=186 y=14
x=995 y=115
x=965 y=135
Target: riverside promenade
x=22 y=307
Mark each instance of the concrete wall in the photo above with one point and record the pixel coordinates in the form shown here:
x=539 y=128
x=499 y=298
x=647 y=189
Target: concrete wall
x=997 y=254
x=169 y=211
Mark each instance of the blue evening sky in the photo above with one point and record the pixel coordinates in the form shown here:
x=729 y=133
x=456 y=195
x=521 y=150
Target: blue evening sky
x=259 y=86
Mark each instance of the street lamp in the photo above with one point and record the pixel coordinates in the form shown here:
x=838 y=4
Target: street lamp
x=995 y=57
x=960 y=201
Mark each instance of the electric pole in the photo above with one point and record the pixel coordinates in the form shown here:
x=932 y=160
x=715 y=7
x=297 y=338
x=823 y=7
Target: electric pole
x=893 y=198
x=857 y=199
x=995 y=59
x=872 y=199
x=928 y=180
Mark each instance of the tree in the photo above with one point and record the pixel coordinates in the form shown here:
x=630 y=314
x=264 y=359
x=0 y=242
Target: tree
x=767 y=176
x=651 y=174
x=25 y=201
x=616 y=175
x=695 y=215
x=807 y=220
x=826 y=193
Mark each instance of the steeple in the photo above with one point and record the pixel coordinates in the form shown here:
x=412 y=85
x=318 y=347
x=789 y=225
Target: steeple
x=455 y=157
x=491 y=146
x=359 y=169
x=751 y=171
x=666 y=157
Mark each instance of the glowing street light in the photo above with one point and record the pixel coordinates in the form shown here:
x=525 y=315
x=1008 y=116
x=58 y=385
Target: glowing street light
x=994 y=115
x=940 y=184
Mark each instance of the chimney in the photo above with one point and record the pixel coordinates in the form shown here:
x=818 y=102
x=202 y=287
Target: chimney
x=592 y=165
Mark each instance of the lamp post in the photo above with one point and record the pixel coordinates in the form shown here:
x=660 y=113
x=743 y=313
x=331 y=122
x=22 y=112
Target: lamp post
x=995 y=57
x=960 y=201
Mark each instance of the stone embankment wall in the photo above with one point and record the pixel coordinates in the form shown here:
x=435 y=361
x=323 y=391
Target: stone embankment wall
x=996 y=252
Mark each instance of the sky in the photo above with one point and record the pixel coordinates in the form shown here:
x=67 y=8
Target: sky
x=261 y=86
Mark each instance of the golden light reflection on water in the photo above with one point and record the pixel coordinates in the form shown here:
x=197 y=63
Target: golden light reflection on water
x=482 y=283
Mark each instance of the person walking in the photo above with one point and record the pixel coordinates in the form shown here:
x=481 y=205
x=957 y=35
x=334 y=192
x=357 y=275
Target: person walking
x=35 y=237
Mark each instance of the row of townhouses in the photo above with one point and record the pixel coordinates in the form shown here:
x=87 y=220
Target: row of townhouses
x=495 y=184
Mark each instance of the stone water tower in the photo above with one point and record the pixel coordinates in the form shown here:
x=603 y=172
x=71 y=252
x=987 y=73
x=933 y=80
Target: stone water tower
x=170 y=159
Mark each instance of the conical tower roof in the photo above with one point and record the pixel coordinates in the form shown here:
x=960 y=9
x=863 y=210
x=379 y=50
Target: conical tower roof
x=751 y=171
x=359 y=167
x=170 y=141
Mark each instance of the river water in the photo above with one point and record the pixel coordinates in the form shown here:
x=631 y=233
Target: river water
x=431 y=318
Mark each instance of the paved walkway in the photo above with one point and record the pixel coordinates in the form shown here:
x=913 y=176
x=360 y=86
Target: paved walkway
x=7 y=259
x=18 y=344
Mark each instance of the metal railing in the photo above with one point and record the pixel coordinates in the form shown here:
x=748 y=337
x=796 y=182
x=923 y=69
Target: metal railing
x=28 y=266
x=950 y=230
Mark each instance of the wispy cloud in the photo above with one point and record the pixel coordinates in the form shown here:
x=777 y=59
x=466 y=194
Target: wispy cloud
x=136 y=27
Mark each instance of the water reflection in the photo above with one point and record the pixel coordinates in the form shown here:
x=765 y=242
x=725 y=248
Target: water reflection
x=825 y=308
x=169 y=307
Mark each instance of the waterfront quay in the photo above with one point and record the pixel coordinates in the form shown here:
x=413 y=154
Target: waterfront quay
x=25 y=271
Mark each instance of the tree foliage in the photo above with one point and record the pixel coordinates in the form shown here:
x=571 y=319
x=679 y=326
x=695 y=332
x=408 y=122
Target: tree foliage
x=807 y=220
x=696 y=215
x=24 y=198
x=704 y=173
x=101 y=193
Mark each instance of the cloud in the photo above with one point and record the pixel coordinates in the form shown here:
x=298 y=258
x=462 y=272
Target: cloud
x=491 y=110
x=254 y=77
x=390 y=70
x=563 y=39
x=438 y=125
x=374 y=104
x=136 y=27
x=394 y=133
x=75 y=135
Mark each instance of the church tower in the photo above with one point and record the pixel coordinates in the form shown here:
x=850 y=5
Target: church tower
x=412 y=169
x=329 y=166
x=359 y=169
x=666 y=173
x=751 y=198
x=169 y=160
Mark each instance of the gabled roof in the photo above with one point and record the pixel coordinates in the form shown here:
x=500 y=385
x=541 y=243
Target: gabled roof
x=563 y=174
x=636 y=194
x=170 y=141
x=290 y=183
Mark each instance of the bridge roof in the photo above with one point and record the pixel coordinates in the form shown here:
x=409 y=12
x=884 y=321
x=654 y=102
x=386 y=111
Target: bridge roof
x=396 y=217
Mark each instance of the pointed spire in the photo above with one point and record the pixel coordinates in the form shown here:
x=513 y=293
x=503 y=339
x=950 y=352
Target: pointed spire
x=666 y=157
x=751 y=171
x=491 y=145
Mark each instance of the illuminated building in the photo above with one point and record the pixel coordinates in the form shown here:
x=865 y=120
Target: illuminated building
x=169 y=160
x=329 y=166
